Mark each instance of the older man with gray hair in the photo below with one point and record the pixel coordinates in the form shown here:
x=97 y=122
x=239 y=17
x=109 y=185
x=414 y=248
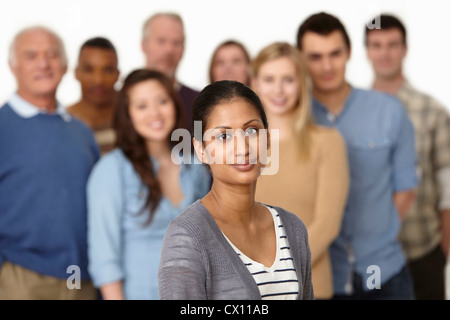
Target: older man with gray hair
x=163 y=45
x=45 y=161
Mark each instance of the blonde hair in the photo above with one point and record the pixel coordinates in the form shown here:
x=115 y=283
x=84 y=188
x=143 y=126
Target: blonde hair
x=303 y=120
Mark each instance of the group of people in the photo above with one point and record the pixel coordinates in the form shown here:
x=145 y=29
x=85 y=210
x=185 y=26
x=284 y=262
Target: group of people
x=358 y=208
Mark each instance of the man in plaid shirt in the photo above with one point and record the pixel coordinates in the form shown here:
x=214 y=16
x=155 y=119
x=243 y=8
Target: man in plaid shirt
x=425 y=233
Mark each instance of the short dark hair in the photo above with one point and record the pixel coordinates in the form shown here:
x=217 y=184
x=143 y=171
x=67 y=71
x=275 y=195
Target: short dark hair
x=98 y=42
x=220 y=92
x=323 y=24
x=386 y=21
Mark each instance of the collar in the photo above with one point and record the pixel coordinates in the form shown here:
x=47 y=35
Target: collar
x=27 y=110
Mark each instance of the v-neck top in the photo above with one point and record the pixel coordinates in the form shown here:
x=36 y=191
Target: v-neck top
x=121 y=246
x=279 y=281
x=198 y=263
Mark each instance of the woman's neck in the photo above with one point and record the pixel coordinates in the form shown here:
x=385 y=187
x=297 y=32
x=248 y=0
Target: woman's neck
x=160 y=150
x=231 y=204
x=283 y=123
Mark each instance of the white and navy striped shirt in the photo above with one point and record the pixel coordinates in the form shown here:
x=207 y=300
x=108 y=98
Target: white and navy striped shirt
x=278 y=282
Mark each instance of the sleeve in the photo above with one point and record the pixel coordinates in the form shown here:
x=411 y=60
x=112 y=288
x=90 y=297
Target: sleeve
x=302 y=236
x=333 y=185
x=441 y=156
x=105 y=201
x=404 y=157
x=180 y=274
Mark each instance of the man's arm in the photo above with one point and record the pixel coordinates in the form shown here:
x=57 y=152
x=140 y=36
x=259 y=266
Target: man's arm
x=403 y=201
x=445 y=228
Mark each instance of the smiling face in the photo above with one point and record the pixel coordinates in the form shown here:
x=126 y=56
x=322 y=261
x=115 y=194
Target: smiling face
x=386 y=51
x=97 y=73
x=38 y=64
x=277 y=85
x=232 y=141
x=326 y=57
x=151 y=110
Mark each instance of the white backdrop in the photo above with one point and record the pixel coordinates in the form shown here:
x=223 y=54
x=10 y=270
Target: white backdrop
x=256 y=23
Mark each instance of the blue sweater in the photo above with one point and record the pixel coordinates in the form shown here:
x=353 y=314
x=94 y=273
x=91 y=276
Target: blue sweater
x=45 y=162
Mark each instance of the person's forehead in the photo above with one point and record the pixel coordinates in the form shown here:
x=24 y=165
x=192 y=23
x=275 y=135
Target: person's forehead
x=318 y=43
x=99 y=55
x=36 y=38
x=385 y=34
x=166 y=26
x=230 y=50
x=232 y=113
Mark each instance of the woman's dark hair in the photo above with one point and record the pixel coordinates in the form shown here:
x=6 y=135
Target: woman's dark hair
x=132 y=144
x=219 y=92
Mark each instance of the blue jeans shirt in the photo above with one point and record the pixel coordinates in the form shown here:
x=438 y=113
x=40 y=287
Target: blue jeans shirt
x=382 y=160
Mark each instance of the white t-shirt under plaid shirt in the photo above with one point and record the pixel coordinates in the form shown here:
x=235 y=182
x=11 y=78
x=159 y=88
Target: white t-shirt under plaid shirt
x=278 y=282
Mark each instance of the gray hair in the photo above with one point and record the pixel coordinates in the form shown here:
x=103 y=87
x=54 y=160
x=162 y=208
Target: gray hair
x=171 y=15
x=12 y=47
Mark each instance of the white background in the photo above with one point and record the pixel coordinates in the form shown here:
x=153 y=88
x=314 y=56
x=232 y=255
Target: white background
x=256 y=23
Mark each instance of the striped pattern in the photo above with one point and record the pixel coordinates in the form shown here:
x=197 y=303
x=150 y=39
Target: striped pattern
x=278 y=282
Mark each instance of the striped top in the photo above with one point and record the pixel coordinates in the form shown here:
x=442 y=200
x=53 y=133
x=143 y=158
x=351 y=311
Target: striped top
x=278 y=282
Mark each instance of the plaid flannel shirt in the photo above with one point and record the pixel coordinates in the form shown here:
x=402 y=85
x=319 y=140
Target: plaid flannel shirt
x=420 y=231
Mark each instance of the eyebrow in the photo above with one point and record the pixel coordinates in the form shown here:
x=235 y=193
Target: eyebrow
x=248 y=122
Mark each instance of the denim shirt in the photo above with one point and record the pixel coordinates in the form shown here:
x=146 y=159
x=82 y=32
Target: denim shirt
x=121 y=246
x=382 y=161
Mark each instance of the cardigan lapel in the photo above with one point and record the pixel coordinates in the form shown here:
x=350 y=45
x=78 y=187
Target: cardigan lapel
x=290 y=233
x=238 y=265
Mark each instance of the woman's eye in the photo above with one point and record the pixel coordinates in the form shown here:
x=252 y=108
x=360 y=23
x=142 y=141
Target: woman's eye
x=251 y=131
x=223 y=136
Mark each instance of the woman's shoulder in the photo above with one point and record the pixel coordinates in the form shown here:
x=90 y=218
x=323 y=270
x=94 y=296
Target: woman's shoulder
x=193 y=217
x=110 y=163
x=327 y=137
x=325 y=133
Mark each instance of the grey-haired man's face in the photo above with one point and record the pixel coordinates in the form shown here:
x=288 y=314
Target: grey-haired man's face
x=38 y=64
x=164 y=45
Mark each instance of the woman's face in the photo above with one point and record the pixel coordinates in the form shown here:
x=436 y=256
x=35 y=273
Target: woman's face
x=230 y=63
x=233 y=138
x=152 y=111
x=277 y=85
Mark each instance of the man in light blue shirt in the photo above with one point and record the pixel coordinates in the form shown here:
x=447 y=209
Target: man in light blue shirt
x=367 y=259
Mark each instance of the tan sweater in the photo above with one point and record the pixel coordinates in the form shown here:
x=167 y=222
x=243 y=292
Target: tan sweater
x=316 y=191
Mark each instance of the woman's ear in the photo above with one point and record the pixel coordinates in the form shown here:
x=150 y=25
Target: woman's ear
x=199 y=150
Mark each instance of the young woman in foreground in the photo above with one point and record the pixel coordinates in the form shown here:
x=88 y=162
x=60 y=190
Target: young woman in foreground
x=227 y=245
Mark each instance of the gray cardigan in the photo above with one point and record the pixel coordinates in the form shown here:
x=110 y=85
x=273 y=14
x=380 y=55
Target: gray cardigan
x=198 y=263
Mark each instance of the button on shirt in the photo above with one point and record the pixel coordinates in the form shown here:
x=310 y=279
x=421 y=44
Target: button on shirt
x=382 y=161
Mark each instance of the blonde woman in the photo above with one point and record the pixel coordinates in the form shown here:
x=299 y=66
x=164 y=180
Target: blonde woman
x=313 y=177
